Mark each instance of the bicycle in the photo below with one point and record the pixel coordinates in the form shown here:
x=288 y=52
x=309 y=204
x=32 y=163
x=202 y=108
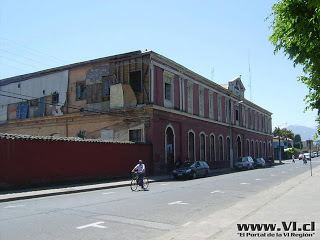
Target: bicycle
x=134 y=182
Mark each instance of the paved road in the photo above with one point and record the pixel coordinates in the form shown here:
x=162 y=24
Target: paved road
x=121 y=214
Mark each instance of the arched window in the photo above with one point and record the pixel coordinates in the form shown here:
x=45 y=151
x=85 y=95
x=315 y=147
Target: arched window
x=202 y=147
x=269 y=152
x=248 y=147
x=260 y=149
x=191 y=147
x=221 y=155
x=228 y=149
x=264 y=149
x=252 y=148
x=212 y=149
x=239 y=147
x=169 y=147
x=257 y=150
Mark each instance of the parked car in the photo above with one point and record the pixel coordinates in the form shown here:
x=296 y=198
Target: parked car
x=191 y=170
x=307 y=156
x=244 y=163
x=315 y=154
x=259 y=162
x=301 y=156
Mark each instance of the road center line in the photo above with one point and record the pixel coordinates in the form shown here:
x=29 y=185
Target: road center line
x=106 y=193
x=178 y=202
x=217 y=191
x=187 y=224
x=96 y=225
x=14 y=206
x=244 y=183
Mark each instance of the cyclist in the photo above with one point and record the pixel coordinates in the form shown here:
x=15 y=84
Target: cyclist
x=140 y=169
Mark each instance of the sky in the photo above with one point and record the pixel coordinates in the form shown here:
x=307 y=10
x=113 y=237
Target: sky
x=218 y=39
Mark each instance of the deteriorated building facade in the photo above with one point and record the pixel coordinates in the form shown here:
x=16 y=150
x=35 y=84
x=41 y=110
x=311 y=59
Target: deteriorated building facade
x=141 y=97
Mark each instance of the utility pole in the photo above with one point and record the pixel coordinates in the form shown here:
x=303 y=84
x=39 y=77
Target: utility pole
x=279 y=150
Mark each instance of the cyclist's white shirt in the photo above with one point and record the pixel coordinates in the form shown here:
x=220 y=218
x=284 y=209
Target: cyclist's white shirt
x=140 y=168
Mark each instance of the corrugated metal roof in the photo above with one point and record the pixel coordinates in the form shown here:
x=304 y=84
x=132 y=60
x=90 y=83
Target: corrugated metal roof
x=54 y=138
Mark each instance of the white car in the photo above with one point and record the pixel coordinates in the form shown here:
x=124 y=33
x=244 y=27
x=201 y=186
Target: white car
x=307 y=156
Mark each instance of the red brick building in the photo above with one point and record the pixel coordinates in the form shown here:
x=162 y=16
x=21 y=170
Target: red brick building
x=141 y=97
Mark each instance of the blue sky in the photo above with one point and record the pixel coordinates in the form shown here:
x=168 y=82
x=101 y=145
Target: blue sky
x=216 y=39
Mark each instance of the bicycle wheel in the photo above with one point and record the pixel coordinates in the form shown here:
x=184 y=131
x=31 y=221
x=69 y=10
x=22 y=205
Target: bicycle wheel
x=145 y=183
x=133 y=185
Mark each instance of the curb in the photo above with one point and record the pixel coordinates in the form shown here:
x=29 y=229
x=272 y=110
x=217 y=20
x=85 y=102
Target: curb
x=214 y=173
x=9 y=199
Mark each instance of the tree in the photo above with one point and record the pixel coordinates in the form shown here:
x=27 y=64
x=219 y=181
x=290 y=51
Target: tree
x=277 y=132
x=297 y=143
x=284 y=133
x=296 y=31
x=287 y=134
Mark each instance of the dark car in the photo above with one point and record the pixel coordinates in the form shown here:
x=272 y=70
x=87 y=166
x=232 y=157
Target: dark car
x=259 y=162
x=244 y=163
x=191 y=170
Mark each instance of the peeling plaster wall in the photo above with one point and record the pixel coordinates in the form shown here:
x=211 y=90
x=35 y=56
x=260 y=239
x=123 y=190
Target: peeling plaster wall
x=36 y=88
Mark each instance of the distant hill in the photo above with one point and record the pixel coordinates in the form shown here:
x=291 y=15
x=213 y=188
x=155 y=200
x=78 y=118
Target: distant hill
x=305 y=132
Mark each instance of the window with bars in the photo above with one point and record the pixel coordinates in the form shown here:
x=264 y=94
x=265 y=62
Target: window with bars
x=55 y=98
x=135 y=135
x=80 y=91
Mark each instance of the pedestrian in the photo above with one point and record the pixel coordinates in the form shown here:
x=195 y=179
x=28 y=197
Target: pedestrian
x=293 y=158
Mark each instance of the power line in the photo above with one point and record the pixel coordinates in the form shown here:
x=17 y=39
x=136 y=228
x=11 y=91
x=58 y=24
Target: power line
x=32 y=50
x=51 y=104
x=17 y=61
x=15 y=67
x=30 y=59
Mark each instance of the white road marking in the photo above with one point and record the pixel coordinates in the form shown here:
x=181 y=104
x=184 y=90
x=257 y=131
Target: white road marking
x=217 y=191
x=244 y=183
x=187 y=224
x=106 y=193
x=177 y=202
x=138 y=222
x=96 y=225
x=204 y=222
x=14 y=206
x=164 y=184
x=259 y=179
x=272 y=175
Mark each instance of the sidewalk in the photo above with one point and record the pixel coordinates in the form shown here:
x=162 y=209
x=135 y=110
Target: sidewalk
x=26 y=194
x=297 y=199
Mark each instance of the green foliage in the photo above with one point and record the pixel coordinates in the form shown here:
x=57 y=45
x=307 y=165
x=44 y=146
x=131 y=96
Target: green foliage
x=296 y=31
x=297 y=142
x=284 y=133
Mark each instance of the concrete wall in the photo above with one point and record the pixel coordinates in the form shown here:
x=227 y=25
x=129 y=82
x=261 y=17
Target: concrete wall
x=28 y=162
x=35 y=88
x=70 y=125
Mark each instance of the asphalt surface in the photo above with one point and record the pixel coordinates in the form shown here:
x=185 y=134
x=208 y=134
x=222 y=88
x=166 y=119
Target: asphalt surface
x=119 y=213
